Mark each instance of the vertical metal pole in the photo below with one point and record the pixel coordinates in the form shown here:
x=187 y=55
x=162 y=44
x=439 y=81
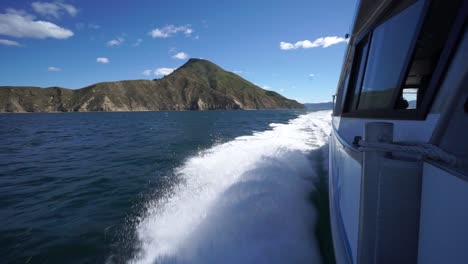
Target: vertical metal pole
x=368 y=233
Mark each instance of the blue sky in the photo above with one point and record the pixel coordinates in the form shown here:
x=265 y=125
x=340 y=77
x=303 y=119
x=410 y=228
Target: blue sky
x=293 y=47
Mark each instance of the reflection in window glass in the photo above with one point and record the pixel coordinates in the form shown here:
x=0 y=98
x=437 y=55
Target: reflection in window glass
x=342 y=90
x=390 y=45
x=429 y=46
x=361 y=55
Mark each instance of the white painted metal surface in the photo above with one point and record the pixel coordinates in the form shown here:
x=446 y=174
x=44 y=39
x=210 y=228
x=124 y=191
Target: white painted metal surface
x=443 y=235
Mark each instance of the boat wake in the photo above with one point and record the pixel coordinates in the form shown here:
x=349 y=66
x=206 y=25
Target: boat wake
x=244 y=201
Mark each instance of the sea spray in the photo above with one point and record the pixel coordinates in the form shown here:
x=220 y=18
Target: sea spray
x=244 y=201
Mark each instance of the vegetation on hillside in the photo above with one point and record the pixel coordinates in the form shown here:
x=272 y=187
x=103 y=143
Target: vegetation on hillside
x=197 y=85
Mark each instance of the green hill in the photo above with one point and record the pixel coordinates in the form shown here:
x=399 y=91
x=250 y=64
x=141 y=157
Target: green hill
x=197 y=85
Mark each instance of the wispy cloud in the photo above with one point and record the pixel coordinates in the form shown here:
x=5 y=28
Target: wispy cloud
x=171 y=30
x=181 y=56
x=102 y=60
x=94 y=26
x=147 y=72
x=53 y=69
x=324 y=42
x=54 y=9
x=22 y=25
x=138 y=42
x=7 y=42
x=163 y=71
x=81 y=26
x=238 y=71
x=115 y=42
x=158 y=72
x=205 y=23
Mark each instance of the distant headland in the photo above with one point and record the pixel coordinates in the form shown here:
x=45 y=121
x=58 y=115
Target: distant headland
x=197 y=85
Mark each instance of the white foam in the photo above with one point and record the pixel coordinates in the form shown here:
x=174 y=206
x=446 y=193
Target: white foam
x=244 y=201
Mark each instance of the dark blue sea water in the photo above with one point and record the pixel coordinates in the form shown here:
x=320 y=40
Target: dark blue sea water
x=89 y=187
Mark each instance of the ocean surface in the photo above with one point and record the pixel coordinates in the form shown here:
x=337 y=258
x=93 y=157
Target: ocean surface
x=160 y=187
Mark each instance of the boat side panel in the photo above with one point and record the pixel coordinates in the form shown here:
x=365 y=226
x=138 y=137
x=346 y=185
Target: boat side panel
x=340 y=243
x=345 y=174
x=443 y=236
x=404 y=130
x=345 y=186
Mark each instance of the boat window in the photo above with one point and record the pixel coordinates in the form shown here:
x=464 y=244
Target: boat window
x=389 y=47
x=409 y=95
x=399 y=64
x=362 y=50
x=339 y=94
x=429 y=46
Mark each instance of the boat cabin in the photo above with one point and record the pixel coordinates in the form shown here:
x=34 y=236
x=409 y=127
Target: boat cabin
x=398 y=167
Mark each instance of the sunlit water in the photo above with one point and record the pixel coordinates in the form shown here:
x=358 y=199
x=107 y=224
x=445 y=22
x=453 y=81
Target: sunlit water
x=174 y=187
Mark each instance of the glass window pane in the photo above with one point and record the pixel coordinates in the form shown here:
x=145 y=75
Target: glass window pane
x=389 y=48
x=341 y=91
x=361 y=57
x=429 y=46
x=409 y=100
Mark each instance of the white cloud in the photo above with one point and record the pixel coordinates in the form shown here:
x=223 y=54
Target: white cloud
x=180 y=56
x=324 y=42
x=171 y=30
x=7 y=42
x=238 y=72
x=188 y=31
x=158 y=72
x=102 y=60
x=163 y=71
x=137 y=43
x=53 y=69
x=266 y=87
x=286 y=46
x=22 y=25
x=281 y=90
x=311 y=75
x=55 y=9
x=147 y=72
x=19 y=12
x=71 y=10
x=115 y=42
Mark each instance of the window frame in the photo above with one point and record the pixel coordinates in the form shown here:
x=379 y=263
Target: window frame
x=355 y=77
x=436 y=78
